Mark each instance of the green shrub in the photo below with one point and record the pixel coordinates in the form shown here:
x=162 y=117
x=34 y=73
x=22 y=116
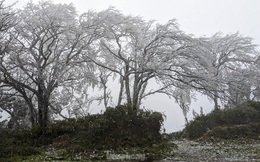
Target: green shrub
x=248 y=112
x=16 y=143
x=122 y=127
x=196 y=128
x=173 y=135
x=254 y=104
x=231 y=132
x=117 y=129
x=240 y=115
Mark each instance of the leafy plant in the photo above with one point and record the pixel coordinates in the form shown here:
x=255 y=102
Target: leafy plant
x=247 y=112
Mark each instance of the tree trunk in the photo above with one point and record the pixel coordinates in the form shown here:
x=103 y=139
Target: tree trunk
x=103 y=82
x=105 y=96
x=120 y=96
x=31 y=109
x=32 y=113
x=29 y=102
x=43 y=113
x=136 y=92
x=127 y=85
x=127 y=90
x=215 y=99
x=186 y=119
x=43 y=104
x=142 y=92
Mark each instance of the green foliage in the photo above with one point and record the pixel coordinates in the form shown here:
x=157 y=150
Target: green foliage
x=174 y=135
x=119 y=128
x=248 y=112
x=129 y=128
x=15 y=143
x=230 y=132
x=240 y=115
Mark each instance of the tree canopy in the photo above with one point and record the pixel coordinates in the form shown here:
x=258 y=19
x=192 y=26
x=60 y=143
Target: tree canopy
x=50 y=56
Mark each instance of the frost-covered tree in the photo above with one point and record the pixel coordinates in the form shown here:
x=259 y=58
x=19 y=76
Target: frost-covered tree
x=183 y=98
x=255 y=68
x=136 y=52
x=227 y=62
x=7 y=22
x=46 y=45
x=51 y=56
x=240 y=87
